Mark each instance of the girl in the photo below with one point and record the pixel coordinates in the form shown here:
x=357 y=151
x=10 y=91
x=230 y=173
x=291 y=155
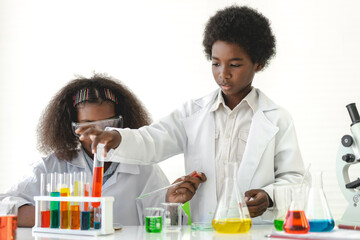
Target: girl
x=97 y=102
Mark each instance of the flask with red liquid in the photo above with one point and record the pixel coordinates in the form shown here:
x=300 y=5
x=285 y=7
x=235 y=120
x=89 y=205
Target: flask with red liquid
x=295 y=220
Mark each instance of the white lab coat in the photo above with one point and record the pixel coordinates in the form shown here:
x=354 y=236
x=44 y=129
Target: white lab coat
x=125 y=185
x=271 y=154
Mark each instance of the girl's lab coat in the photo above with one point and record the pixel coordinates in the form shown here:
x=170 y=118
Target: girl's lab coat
x=271 y=154
x=125 y=185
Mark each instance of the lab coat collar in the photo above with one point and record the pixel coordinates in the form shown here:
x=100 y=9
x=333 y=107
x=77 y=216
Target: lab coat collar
x=122 y=168
x=127 y=168
x=265 y=104
x=79 y=161
x=251 y=99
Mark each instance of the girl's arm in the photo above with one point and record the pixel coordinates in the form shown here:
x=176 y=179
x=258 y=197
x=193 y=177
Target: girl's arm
x=26 y=216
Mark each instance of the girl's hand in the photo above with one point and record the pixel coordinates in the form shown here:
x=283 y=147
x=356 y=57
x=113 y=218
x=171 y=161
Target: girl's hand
x=185 y=191
x=257 y=201
x=111 y=139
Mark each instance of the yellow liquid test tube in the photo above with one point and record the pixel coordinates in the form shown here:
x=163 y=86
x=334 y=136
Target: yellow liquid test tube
x=64 y=206
x=75 y=207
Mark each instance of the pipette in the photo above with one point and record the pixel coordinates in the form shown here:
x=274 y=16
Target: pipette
x=160 y=189
x=163 y=188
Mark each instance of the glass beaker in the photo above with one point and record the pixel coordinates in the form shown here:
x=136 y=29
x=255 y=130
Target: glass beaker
x=282 y=201
x=295 y=220
x=231 y=214
x=172 y=216
x=8 y=220
x=153 y=219
x=317 y=209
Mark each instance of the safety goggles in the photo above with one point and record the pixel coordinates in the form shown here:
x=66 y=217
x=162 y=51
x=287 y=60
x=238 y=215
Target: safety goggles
x=101 y=124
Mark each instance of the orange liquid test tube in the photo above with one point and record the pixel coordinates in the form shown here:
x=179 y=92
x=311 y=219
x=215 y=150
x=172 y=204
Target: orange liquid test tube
x=98 y=172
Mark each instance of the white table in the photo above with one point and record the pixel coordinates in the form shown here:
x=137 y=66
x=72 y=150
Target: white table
x=138 y=232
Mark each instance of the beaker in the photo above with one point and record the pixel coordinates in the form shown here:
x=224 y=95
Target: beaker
x=282 y=201
x=317 y=209
x=295 y=220
x=172 y=216
x=231 y=214
x=153 y=219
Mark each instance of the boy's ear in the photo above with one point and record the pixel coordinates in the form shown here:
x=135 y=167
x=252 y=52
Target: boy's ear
x=259 y=67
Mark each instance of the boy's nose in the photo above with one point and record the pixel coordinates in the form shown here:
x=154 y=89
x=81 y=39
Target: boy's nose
x=225 y=73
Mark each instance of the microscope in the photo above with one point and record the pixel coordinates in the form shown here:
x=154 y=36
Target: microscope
x=348 y=155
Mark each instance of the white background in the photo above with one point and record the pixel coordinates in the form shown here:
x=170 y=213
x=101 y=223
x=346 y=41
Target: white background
x=155 y=48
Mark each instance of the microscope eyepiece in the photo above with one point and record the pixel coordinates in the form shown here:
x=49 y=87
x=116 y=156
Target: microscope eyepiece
x=353 y=112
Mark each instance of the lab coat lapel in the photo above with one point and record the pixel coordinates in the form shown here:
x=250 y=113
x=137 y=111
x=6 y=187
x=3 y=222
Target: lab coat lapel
x=122 y=168
x=260 y=134
x=200 y=154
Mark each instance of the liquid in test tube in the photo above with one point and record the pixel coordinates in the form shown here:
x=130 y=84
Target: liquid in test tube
x=54 y=205
x=85 y=209
x=44 y=205
x=75 y=207
x=64 y=206
x=98 y=171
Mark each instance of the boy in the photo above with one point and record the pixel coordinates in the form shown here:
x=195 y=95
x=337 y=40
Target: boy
x=235 y=123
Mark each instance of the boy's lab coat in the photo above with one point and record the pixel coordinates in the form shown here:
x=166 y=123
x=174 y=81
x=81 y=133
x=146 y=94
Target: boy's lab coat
x=271 y=154
x=125 y=185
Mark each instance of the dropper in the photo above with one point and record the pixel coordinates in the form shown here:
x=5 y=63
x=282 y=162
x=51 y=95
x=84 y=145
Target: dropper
x=160 y=189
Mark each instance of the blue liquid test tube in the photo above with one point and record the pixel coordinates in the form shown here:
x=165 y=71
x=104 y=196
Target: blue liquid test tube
x=85 y=206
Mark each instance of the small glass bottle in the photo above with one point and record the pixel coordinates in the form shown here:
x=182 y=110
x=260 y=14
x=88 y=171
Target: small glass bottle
x=231 y=214
x=317 y=209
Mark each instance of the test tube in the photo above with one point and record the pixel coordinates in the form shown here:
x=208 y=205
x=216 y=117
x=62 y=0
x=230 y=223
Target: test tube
x=85 y=218
x=54 y=205
x=85 y=209
x=64 y=205
x=44 y=205
x=98 y=171
x=74 y=207
x=97 y=218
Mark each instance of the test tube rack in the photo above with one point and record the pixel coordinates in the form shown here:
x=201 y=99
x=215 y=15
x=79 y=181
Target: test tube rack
x=106 y=204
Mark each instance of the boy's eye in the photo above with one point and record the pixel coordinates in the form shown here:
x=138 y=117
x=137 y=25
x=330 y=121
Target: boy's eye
x=235 y=65
x=215 y=64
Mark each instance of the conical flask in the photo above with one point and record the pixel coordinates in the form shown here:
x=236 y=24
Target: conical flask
x=295 y=220
x=317 y=209
x=231 y=214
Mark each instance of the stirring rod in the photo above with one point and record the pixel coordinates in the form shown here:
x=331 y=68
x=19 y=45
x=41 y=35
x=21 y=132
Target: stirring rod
x=160 y=189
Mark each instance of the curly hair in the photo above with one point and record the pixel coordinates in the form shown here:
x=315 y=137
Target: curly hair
x=54 y=130
x=245 y=27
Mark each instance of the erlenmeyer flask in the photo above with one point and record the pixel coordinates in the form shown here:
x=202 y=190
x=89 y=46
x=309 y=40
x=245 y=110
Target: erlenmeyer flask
x=295 y=220
x=317 y=209
x=231 y=214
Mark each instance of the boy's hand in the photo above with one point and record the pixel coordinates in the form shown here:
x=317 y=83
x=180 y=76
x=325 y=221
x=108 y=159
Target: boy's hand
x=111 y=139
x=257 y=201
x=185 y=191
